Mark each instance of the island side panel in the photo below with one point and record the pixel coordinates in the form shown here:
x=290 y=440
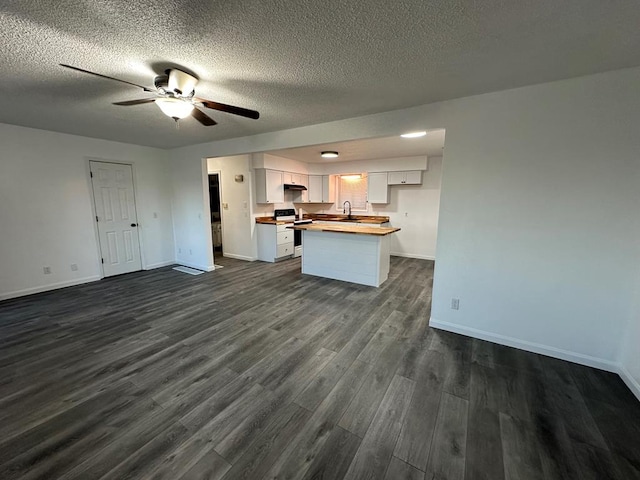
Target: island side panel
x=384 y=258
x=342 y=256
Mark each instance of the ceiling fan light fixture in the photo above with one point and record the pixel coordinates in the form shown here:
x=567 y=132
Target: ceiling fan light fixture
x=181 y=82
x=174 y=108
x=414 y=134
x=329 y=154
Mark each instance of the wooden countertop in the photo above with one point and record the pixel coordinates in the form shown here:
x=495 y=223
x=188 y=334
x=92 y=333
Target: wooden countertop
x=270 y=221
x=354 y=229
x=370 y=219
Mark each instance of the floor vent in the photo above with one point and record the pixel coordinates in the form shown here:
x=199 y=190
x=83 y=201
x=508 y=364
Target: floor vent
x=190 y=271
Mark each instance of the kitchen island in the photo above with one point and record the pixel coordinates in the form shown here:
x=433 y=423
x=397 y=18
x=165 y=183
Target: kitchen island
x=353 y=253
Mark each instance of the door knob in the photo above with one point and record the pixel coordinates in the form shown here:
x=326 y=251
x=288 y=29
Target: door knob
x=134 y=224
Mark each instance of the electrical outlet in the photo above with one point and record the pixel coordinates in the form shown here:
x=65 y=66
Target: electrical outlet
x=190 y=252
x=179 y=250
x=46 y=270
x=74 y=267
x=225 y=206
x=455 y=304
x=155 y=214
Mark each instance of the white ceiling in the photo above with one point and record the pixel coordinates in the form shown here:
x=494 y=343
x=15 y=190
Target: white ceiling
x=369 y=149
x=298 y=62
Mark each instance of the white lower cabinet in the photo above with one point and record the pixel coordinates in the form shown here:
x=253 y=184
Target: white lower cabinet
x=274 y=242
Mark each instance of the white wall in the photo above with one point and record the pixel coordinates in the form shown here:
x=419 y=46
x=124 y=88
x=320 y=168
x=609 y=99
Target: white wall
x=237 y=221
x=191 y=214
x=538 y=221
x=374 y=165
x=46 y=209
x=415 y=208
x=630 y=354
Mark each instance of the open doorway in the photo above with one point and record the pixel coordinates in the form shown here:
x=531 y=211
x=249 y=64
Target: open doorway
x=215 y=208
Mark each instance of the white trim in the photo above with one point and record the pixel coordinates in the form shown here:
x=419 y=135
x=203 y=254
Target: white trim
x=575 y=357
x=52 y=286
x=631 y=382
x=159 y=264
x=413 y=255
x=194 y=265
x=238 y=257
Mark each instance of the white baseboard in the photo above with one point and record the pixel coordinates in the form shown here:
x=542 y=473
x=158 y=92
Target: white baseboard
x=46 y=288
x=239 y=257
x=194 y=265
x=412 y=255
x=631 y=382
x=547 y=350
x=160 y=264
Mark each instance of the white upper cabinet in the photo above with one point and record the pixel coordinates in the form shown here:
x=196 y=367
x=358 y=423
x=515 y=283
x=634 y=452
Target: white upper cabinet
x=377 y=187
x=321 y=189
x=269 y=187
x=410 y=177
x=294 y=178
x=315 y=188
x=328 y=188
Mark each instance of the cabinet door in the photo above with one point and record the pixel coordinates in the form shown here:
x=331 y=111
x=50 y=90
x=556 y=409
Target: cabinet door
x=315 y=188
x=274 y=188
x=396 y=178
x=377 y=188
x=304 y=194
x=328 y=188
x=413 y=177
x=287 y=178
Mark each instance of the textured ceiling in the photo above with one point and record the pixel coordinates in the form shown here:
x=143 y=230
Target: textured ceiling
x=369 y=149
x=298 y=62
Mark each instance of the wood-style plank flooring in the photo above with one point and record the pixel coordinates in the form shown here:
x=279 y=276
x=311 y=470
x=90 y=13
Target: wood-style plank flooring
x=257 y=372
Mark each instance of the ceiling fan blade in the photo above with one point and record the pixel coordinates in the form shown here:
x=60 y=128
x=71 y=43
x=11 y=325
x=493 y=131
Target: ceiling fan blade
x=243 y=112
x=203 y=118
x=140 y=101
x=105 y=76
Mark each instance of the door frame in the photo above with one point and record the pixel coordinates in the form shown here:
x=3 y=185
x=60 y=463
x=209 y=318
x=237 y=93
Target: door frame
x=219 y=173
x=87 y=162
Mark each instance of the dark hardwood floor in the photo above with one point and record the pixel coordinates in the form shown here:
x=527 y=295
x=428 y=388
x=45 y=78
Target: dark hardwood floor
x=255 y=371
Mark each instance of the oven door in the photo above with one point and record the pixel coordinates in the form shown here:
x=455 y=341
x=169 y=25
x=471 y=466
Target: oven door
x=297 y=243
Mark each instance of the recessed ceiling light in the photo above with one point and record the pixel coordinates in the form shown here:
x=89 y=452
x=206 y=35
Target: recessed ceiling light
x=413 y=134
x=329 y=154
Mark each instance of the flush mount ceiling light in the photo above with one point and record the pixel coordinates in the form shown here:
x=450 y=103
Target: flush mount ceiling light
x=174 y=107
x=413 y=134
x=329 y=154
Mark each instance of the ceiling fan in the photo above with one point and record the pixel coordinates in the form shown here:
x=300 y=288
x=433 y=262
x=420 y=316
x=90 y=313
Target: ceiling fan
x=175 y=95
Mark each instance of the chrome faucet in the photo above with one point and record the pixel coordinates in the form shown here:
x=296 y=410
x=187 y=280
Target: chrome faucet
x=344 y=208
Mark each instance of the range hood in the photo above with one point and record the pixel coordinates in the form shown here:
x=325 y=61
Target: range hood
x=293 y=186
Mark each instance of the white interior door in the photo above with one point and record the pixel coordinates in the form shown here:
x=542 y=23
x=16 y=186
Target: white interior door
x=116 y=216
